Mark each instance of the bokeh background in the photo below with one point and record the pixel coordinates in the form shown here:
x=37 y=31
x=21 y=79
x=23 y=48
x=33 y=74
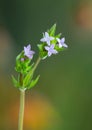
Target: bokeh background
x=62 y=100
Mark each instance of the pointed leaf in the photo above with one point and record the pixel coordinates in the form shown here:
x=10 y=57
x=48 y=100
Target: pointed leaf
x=27 y=78
x=42 y=51
x=52 y=30
x=58 y=35
x=41 y=46
x=43 y=54
x=34 y=82
x=15 y=81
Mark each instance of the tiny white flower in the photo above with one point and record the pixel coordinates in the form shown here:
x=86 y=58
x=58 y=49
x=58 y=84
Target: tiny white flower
x=46 y=38
x=51 y=50
x=28 y=52
x=61 y=42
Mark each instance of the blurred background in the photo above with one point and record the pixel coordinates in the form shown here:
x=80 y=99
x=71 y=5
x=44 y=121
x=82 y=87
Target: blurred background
x=62 y=100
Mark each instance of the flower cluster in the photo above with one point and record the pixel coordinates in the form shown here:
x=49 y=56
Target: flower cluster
x=50 y=44
x=25 y=69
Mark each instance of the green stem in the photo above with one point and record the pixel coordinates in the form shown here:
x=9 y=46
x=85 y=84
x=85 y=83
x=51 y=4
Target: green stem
x=21 y=79
x=36 y=64
x=22 y=99
x=21 y=110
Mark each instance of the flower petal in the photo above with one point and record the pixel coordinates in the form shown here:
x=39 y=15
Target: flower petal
x=62 y=40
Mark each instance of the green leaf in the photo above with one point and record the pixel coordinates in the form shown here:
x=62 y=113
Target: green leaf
x=43 y=54
x=52 y=30
x=27 y=62
x=59 y=49
x=16 y=84
x=19 y=57
x=34 y=82
x=42 y=51
x=41 y=46
x=58 y=35
x=27 y=78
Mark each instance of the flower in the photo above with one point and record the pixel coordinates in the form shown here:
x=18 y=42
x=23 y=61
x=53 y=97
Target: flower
x=28 y=52
x=61 y=42
x=46 y=38
x=51 y=50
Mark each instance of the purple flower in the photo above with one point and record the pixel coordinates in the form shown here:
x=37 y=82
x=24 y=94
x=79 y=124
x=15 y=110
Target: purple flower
x=28 y=52
x=51 y=49
x=61 y=42
x=47 y=38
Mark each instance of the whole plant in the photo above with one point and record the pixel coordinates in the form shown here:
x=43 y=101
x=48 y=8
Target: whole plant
x=50 y=44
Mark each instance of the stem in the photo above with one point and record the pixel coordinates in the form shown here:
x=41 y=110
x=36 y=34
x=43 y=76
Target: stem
x=21 y=79
x=36 y=64
x=21 y=110
x=22 y=99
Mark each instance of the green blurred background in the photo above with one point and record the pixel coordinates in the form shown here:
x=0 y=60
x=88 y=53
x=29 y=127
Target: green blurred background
x=62 y=100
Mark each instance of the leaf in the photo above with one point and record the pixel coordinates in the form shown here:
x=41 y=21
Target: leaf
x=16 y=84
x=58 y=35
x=19 y=57
x=41 y=46
x=42 y=52
x=34 y=82
x=59 y=49
x=52 y=30
x=27 y=62
x=27 y=78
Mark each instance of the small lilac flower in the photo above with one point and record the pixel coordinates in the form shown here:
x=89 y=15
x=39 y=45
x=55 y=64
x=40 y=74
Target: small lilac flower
x=61 y=42
x=47 y=38
x=28 y=52
x=51 y=49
